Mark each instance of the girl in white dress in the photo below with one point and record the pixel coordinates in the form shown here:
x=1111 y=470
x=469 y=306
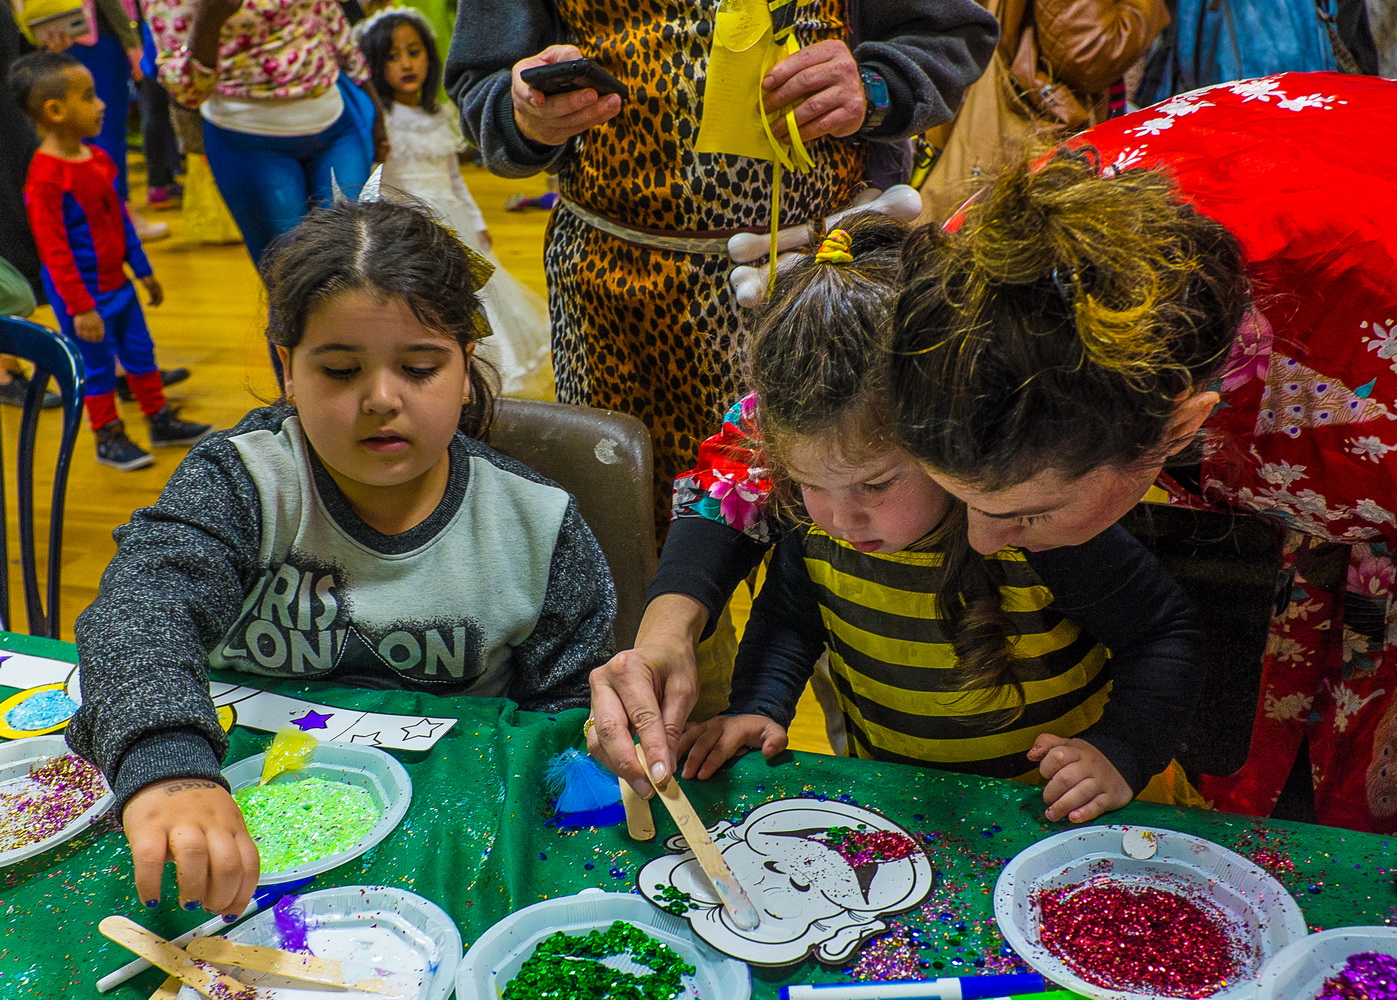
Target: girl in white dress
x=426 y=138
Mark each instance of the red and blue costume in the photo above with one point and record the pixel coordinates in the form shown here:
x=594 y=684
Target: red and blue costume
x=85 y=239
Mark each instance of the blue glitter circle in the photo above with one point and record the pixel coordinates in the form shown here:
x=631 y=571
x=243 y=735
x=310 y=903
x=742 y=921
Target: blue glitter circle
x=39 y=711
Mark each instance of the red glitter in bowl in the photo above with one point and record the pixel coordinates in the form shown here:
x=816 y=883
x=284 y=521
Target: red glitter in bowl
x=1137 y=939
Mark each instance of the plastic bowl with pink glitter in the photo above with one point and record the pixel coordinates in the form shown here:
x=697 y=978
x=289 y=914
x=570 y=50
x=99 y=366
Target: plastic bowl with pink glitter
x=1258 y=915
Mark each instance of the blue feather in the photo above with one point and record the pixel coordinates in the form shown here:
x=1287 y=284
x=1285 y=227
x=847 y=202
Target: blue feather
x=580 y=783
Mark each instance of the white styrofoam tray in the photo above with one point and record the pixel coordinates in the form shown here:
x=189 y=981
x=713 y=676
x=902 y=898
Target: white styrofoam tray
x=20 y=757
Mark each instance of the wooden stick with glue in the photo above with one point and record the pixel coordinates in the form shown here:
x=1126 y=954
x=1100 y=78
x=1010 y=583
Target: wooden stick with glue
x=174 y=960
x=640 y=822
x=288 y=965
x=733 y=897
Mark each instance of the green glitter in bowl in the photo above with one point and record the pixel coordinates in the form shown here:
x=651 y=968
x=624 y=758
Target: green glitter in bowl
x=295 y=823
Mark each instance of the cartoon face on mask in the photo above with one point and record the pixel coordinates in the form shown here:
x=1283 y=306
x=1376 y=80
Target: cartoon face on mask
x=821 y=875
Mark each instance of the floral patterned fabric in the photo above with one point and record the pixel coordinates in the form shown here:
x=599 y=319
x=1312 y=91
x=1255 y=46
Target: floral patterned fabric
x=268 y=49
x=1308 y=413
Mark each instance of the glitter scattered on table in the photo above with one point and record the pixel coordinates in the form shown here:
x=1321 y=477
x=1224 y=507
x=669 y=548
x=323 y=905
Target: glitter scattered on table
x=296 y=822
x=47 y=801
x=1138 y=939
x=41 y=710
x=1365 y=976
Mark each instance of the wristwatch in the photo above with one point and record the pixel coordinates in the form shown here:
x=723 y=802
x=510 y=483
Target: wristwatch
x=875 y=93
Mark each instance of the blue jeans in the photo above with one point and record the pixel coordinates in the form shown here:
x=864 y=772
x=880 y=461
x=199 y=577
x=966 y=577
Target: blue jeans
x=270 y=181
x=111 y=76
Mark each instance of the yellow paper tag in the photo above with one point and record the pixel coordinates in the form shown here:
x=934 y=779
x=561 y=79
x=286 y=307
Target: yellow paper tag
x=732 y=98
x=740 y=24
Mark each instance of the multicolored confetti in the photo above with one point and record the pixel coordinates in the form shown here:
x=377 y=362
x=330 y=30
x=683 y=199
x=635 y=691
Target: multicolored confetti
x=1138 y=939
x=47 y=801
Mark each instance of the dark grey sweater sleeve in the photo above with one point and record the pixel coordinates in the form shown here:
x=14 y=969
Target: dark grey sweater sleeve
x=1115 y=589
x=171 y=592
x=574 y=630
x=929 y=52
x=489 y=38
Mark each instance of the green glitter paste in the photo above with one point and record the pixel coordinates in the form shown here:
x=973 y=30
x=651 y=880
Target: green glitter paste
x=567 y=967
x=296 y=822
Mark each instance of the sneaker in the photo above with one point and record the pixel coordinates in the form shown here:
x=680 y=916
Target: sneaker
x=12 y=393
x=114 y=448
x=167 y=429
x=147 y=231
x=168 y=376
x=170 y=196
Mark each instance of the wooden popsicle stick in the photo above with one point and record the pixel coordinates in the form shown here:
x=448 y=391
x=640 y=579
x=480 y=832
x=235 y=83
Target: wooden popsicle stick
x=169 y=989
x=288 y=965
x=640 y=821
x=710 y=859
x=174 y=960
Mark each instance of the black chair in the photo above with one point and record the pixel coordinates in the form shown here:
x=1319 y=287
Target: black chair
x=1229 y=566
x=52 y=357
x=603 y=459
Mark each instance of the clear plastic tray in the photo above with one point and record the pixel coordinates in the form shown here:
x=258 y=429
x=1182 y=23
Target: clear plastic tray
x=17 y=759
x=497 y=954
x=350 y=924
x=354 y=764
x=1299 y=971
x=1261 y=915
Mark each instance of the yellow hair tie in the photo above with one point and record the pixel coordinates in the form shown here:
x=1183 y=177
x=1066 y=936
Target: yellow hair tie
x=835 y=248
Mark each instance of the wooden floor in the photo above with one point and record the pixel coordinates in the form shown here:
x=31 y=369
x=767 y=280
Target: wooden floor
x=211 y=322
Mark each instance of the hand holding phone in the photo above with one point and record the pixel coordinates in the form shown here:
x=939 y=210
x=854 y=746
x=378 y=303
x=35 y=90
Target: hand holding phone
x=581 y=97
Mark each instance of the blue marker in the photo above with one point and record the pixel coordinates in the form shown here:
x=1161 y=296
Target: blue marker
x=264 y=897
x=957 y=988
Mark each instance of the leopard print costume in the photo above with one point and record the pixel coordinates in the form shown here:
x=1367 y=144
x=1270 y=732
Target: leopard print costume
x=646 y=331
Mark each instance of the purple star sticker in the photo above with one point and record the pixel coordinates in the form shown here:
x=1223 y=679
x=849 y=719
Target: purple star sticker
x=313 y=720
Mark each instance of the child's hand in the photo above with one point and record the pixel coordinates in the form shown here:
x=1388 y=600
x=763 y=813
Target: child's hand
x=89 y=326
x=196 y=824
x=710 y=744
x=153 y=289
x=486 y=244
x=1082 y=783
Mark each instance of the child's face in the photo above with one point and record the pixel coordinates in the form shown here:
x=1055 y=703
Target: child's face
x=882 y=503
x=406 y=71
x=379 y=394
x=79 y=112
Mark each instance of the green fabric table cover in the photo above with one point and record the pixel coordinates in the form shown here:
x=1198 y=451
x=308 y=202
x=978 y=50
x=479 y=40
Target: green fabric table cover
x=475 y=842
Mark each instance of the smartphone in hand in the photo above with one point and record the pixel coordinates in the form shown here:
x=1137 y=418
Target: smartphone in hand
x=575 y=74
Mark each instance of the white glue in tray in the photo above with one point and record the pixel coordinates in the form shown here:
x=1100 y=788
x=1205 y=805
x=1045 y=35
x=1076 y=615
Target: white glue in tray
x=366 y=767
x=494 y=960
x=1260 y=916
x=18 y=758
x=377 y=931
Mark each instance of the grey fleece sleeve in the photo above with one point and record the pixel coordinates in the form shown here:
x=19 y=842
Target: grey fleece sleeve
x=574 y=630
x=489 y=38
x=171 y=592
x=929 y=52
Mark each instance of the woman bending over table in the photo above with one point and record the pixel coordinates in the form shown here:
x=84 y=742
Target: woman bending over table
x=1066 y=339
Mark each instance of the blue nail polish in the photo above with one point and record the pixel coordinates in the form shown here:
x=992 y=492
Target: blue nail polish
x=152 y=903
x=230 y=918
x=193 y=904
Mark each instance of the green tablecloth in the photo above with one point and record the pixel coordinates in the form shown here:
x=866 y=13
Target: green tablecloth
x=475 y=842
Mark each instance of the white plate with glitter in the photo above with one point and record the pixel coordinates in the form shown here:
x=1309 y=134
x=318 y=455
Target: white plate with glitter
x=1299 y=971
x=494 y=960
x=366 y=767
x=19 y=759
x=376 y=931
x=1260 y=916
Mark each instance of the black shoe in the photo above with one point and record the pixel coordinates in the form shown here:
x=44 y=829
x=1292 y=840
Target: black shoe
x=12 y=393
x=114 y=448
x=168 y=376
x=167 y=429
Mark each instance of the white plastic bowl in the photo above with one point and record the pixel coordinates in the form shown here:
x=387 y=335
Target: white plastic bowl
x=20 y=757
x=497 y=954
x=1261 y=915
x=1299 y=971
x=354 y=764
x=337 y=919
